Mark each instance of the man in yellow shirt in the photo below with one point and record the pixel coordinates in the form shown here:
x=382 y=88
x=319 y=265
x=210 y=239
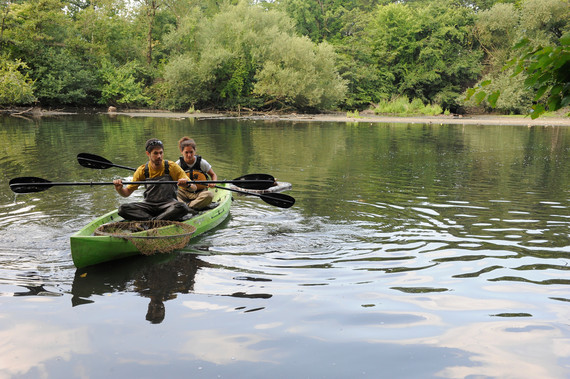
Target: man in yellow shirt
x=160 y=201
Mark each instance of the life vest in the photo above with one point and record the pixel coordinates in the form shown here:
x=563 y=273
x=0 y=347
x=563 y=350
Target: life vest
x=195 y=172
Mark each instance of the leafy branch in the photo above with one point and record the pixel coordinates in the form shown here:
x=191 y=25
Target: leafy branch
x=547 y=71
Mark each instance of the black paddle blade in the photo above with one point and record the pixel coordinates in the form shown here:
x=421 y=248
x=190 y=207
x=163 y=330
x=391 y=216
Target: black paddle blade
x=266 y=181
x=29 y=184
x=93 y=161
x=278 y=199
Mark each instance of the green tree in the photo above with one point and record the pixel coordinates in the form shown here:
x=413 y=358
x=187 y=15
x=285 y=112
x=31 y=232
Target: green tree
x=149 y=9
x=247 y=56
x=15 y=87
x=425 y=51
x=496 y=31
x=106 y=32
x=64 y=78
x=323 y=20
x=300 y=74
x=121 y=86
x=41 y=33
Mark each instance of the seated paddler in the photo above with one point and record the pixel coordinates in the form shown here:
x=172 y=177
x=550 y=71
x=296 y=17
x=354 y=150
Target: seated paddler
x=160 y=200
x=197 y=168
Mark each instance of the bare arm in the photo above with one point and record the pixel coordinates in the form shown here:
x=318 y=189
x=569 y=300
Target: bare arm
x=123 y=191
x=213 y=176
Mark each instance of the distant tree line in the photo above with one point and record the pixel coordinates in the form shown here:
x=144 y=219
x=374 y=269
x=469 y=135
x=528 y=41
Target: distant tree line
x=304 y=55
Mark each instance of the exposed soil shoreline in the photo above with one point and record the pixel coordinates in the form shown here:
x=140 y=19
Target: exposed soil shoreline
x=369 y=118
x=364 y=117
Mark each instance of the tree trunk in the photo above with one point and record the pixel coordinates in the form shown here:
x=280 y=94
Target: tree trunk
x=151 y=13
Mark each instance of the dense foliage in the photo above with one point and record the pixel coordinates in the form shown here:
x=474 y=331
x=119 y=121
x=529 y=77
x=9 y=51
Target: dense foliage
x=246 y=56
x=528 y=54
x=285 y=54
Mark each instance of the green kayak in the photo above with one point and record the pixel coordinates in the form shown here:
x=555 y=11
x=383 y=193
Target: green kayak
x=88 y=249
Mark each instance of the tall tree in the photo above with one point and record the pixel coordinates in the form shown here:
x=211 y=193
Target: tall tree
x=247 y=56
x=323 y=20
x=106 y=30
x=40 y=33
x=149 y=8
x=425 y=51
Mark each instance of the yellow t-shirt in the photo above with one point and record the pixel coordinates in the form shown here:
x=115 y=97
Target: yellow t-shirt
x=176 y=173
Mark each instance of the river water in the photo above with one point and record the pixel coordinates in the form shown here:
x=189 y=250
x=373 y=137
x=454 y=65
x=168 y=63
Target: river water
x=413 y=251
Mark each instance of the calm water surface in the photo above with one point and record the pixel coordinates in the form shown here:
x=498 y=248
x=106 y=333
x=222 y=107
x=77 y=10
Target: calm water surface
x=413 y=251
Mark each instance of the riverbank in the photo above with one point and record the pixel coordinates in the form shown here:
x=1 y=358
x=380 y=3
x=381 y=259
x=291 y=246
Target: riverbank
x=364 y=117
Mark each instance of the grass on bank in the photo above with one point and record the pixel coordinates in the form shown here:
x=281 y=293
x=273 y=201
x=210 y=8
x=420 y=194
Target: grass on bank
x=402 y=106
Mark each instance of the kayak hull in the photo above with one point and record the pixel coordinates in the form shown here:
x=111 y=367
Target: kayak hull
x=88 y=249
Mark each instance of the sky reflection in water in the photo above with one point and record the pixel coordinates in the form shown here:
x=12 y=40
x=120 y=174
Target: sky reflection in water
x=412 y=251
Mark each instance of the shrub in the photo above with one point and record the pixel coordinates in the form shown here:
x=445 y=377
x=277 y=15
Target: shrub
x=15 y=87
x=402 y=106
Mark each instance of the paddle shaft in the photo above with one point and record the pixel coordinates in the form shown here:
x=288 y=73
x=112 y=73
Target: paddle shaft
x=52 y=184
x=274 y=199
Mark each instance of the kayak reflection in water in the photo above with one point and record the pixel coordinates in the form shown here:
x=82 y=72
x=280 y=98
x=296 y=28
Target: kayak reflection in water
x=160 y=202
x=157 y=277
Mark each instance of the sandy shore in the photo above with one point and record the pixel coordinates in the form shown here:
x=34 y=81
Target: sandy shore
x=364 y=118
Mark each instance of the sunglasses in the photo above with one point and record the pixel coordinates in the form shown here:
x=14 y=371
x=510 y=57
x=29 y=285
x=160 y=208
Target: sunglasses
x=152 y=144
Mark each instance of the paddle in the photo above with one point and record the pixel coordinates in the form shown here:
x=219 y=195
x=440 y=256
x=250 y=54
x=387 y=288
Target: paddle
x=95 y=161
x=30 y=184
x=278 y=199
x=248 y=181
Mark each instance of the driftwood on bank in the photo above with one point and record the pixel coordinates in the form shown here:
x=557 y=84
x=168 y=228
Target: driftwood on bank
x=33 y=111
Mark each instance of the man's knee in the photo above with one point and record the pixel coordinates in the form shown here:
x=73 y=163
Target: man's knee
x=180 y=206
x=124 y=210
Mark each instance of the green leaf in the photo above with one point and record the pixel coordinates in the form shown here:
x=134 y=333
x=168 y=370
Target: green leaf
x=546 y=77
x=540 y=92
x=536 y=111
x=561 y=59
x=523 y=42
x=492 y=99
x=480 y=96
x=509 y=63
x=543 y=52
x=518 y=69
x=554 y=103
x=470 y=92
x=556 y=89
x=485 y=83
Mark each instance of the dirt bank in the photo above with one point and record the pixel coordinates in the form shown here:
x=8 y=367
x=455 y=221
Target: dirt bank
x=366 y=118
